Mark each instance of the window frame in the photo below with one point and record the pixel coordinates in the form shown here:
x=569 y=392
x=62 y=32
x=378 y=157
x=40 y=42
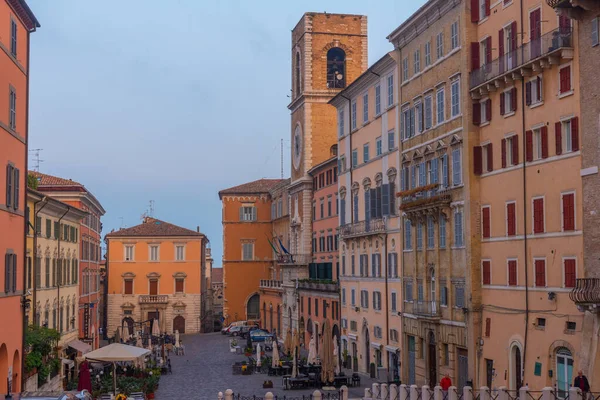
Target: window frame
x=569 y=91
x=353 y=115
x=439 y=45
x=595 y=32
x=564 y=272
x=508 y=234
x=366 y=153
x=428 y=116
x=440 y=110
x=483 y=261
x=454 y=35
x=417 y=61
x=405 y=69
x=390 y=88
x=508 y=261
x=377 y=99
x=455 y=84
x=562 y=211
x=427 y=53
x=458 y=151
x=461 y=243
x=408 y=245
x=489 y=234
x=341 y=122
x=535 y=272
x=175 y=280
x=378 y=146
x=252 y=256
x=182 y=247
x=126 y=248
x=365 y=111
x=152 y=247
x=533 y=199
x=12 y=108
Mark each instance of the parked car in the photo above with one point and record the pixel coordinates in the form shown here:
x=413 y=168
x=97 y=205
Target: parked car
x=259 y=335
x=235 y=330
x=226 y=329
x=245 y=330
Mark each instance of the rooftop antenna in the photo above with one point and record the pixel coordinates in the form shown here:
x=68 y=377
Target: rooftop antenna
x=36 y=159
x=151 y=208
x=281 y=158
x=121 y=218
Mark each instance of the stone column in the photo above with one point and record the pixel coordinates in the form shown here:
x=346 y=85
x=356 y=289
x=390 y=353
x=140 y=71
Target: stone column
x=375 y=390
x=414 y=392
x=425 y=392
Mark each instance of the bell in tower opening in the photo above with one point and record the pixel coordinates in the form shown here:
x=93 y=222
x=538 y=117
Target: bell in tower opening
x=336 y=73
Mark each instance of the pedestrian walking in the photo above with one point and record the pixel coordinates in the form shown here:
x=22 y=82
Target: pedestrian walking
x=446 y=382
x=582 y=383
x=181 y=349
x=169 y=366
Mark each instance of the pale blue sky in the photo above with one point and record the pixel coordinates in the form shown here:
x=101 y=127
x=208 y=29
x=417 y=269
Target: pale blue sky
x=172 y=100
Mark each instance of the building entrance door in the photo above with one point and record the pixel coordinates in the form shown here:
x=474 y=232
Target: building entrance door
x=179 y=324
x=463 y=368
x=412 y=357
x=432 y=360
x=354 y=357
x=564 y=372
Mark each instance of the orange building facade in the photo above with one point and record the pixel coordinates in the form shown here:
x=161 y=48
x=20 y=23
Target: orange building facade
x=524 y=84
x=77 y=195
x=16 y=23
x=155 y=271
x=248 y=256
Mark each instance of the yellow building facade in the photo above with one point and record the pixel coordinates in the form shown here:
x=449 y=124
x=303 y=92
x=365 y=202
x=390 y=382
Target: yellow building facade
x=156 y=271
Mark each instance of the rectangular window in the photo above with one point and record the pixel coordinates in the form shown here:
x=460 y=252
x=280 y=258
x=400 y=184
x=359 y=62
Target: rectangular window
x=408 y=291
x=427 y=54
x=378 y=146
x=365 y=108
x=341 y=122
x=407 y=235
x=460 y=296
x=12 y=107
x=533 y=91
x=455 y=97
x=353 y=115
x=428 y=112
x=569 y=133
x=390 y=84
x=329 y=206
x=456 y=167
x=128 y=286
x=486 y=270
x=442 y=228
x=565 y=79
x=439 y=44
x=430 y=233
x=485 y=222
x=353 y=297
x=153 y=253
x=179 y=285
x=179 y=253
x=129 y=253
x=444 y=169
x=247 y=251
x=354 y=158
x=316 y=307
x=540 y=273
x=344 y=296
x=570 y=272
x=538 y=215
x=483 y=9
x=391 y=140
x=405 y=70
x=377 y=100
x=13 y=37
x=511 y=219
x=458 y=229
x=443 y=294
x=325 y=308
x=512 y=272
x=568 y=212
x=393 y=302
x=454 y=35
x=510 y=150
x=417 y=61
x=595 y=35
x=364 y=299
x=248 y=213
x=366 y=152
x=419 y=236
x=441 y=114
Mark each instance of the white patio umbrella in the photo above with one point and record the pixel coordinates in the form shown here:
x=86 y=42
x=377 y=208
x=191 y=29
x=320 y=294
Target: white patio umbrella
x=114 y=353
x=150 y=342
x=258 y=360
x=336 y=364
x=275 y=360
x=176 y=338
x=139 y=342
x=295 y=366
x=312 y=351
x=155 y=328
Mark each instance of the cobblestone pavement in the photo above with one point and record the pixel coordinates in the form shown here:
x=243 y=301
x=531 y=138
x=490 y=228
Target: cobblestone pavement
x=205 y=370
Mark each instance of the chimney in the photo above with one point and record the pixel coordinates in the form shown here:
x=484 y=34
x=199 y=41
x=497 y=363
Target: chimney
x=198 y=228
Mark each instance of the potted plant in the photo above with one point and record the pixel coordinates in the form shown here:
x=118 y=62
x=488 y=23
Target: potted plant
x=345 y=358
x=248 y=351
x=150 y=386
x=268 y=385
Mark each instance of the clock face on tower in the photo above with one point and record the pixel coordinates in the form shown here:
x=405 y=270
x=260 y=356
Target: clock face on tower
x=297 y=147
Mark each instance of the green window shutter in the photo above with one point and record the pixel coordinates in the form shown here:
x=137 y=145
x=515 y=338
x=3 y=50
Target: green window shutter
x=48 y=228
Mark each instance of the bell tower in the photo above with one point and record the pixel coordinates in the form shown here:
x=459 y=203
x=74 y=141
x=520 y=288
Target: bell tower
x=329 y=51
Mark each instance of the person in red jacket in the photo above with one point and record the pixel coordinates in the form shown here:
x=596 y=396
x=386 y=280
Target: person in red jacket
x=445 y=383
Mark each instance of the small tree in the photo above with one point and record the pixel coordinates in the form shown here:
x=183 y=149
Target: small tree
x=32 y=182
x=40 y=347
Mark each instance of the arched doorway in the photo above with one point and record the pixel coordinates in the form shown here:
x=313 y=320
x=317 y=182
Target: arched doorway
x=16 y=368
x=179 y=324
x=516 y=368
x=432 y=359
x=127 y=326
x=564 y=371
x=354 y=357
x=253 y=307
x=3 y=368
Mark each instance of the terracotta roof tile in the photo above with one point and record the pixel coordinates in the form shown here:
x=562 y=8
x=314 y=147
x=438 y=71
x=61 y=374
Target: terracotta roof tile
x=217 y=275
x=49 y=180
x=259 y=186
x=154 y=227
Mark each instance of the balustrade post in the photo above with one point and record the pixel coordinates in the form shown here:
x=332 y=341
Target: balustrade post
x=523 y=392
x=484 y=393
x=467 y=393
x=269 y=396
x=384 y=391
x=229 y=394
x=547 y=393
x=452 y=394
x=575 y=394
x=367 y=394
x=220 y=396
x=438 y=394
x=502 y=393
x=414 y=392
x=344 y=392
x=317 y=395
x=425 y=393
x=404 y=392
x=393 y=392
x=375 y=390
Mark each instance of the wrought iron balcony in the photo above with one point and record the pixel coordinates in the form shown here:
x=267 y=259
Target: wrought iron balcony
x=586 y=293
x=270 y=284
x=536 y=55
x=154 y=299
x=294 y=259
x=425 y=198
x=362 y=228
x=430 y=309
x=318 y=285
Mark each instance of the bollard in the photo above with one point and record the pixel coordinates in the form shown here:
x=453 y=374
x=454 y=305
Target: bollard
x=467 y=393
x=452 y=394
x=414 y=392
x=344 y=390
x=575 y=394
x=484 y=393
x=229 y=394
x=383 y=391
x=375 y=391
x=523 y=392
x=269 y=396
x=316 y=395
x=394 y=392
x=220 y=396
x=425 y=392
x=404 y=391
x=502 y=393
x=438 y=394
x=547 y=393
x=367 y=394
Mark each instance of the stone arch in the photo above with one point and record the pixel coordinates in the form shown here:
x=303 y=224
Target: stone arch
x=343 y=192
x=3 y=368
x=366 y=183
x=179 y=324
x=253 y=306
x=378 y=179
x=392 y=173
x=336 y=68
x=333 y=150
x=16 y=368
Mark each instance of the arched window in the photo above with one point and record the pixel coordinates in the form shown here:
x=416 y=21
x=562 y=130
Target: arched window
x=336 y=68
x=298 y=76
x=253 y=307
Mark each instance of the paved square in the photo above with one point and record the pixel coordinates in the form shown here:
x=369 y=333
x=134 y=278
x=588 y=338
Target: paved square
x=205 y=370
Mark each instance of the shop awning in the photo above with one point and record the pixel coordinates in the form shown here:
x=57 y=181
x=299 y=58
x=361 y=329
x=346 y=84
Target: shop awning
x=68 y=362
x=79 y=346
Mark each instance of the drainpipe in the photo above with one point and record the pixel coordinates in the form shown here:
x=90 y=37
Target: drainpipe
x=387 y=309
x=60 y=267
x=35 y=236
x=351 y=167
x=523 y=365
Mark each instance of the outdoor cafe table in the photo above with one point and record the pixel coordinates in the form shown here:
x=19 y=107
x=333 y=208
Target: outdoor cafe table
x=339 y=381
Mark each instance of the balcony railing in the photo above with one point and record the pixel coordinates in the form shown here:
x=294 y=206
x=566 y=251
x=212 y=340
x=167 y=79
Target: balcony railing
x=294 y=259
x=425 y=197
x=154 y=299
x=586 y=292
x=556 y=3
x=363 y=228
x=423 y=308
x=270 y=283
x=547 y=45
x=318 y=285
